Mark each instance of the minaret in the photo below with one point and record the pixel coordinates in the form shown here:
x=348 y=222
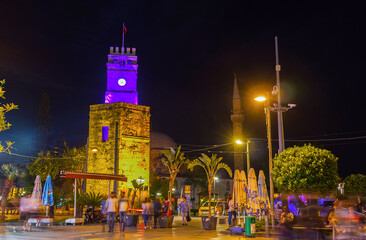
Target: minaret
x=237 y=117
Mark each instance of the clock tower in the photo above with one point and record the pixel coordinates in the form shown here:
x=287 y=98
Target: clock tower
x=122 y=76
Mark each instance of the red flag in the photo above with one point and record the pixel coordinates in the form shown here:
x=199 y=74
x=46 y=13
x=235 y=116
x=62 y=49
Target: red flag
x=124 y=29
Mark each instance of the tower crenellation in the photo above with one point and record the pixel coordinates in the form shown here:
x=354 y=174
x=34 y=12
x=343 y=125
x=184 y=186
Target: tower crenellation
x=119 y=51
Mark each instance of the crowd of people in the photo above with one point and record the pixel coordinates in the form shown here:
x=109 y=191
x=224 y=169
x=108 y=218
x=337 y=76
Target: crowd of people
x=151 y=211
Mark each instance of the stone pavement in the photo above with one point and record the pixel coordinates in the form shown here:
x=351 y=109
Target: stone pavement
x=191 y=232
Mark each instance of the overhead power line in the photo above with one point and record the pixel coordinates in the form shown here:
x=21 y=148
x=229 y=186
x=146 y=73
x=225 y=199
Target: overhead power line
x=25 y=156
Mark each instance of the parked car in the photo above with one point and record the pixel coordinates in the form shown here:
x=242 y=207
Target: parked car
x=217 y=208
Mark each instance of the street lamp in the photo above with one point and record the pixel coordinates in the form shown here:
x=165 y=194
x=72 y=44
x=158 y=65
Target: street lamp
x=248 y=159
x=140 y=180
x=215 y=179
x=269 y=138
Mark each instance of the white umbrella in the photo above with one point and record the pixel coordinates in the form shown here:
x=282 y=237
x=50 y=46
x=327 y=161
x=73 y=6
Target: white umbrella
x=262 y=191
x=35 y=199
x=243 y=188
x=242 y=195
x=236 y=188
x=253 y=203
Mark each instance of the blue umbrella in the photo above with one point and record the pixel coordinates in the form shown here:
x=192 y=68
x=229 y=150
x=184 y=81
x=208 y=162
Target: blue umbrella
x=47 y=195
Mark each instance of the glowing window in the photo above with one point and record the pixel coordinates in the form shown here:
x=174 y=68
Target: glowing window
x=105 y=131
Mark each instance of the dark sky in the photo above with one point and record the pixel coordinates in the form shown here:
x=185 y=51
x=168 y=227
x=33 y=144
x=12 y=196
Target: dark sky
x=187 y=53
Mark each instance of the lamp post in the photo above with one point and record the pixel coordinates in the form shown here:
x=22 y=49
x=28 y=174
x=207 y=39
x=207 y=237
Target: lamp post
x=248 y=158
x=215 y=179
x=269 y=138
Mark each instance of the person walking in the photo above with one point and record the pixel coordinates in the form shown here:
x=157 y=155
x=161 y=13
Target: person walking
x=184 y=208
x=123 y=208
x=230 y=210
x=286 y=222
x=157 y=211
x=111 y=207
x=147 y=211
x=104 y=211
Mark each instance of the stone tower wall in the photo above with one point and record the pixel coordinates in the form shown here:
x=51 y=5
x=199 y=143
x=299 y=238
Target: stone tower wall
x=133 y=143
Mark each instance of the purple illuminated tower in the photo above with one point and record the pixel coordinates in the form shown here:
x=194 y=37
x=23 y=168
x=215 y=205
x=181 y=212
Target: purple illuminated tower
x=121 y=76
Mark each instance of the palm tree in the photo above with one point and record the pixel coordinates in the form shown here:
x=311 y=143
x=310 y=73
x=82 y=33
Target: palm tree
x=173 y=160
x=10 y=172
x=136 y=187
x=211 y=166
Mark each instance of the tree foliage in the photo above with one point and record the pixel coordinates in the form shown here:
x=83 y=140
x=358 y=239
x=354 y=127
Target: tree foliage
x=47 y=163
x=10 y=172
x=355 y=184
x=4 y=125
x=211 y=165
x=136 y=186
x=305 y=169
x=158 y=185
x=173 y=160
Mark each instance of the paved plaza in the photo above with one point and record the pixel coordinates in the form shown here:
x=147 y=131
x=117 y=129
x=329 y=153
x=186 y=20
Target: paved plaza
x=192 y=232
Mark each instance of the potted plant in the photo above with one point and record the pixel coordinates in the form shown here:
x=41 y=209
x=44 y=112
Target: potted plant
x=173 y=160
x=132 y=219
x=211 y=165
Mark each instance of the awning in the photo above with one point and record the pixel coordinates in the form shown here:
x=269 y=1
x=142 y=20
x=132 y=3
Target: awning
x=101 y=176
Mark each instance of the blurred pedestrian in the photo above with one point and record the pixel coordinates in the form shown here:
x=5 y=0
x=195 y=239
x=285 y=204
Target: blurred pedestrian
x=147 y=211
x=157 y=211
x=286 y=221
x=123 y=208
x=230 y=210
x=184 y=208
x=111 y=207
x=103 y=210
x=166 y=210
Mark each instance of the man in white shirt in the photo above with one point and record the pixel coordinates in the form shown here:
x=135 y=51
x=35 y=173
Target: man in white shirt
x=111 y=208
x=123 y=208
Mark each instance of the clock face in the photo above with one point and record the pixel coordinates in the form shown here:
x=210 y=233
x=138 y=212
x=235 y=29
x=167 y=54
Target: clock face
x=121 y=82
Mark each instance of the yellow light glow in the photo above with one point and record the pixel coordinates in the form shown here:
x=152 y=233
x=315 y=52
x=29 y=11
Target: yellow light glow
x=238 y=142
x=260 y=99
x=94 y=149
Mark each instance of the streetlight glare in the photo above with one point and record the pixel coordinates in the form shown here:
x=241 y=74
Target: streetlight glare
x=94 y=149
x=260 y=99
x=239 y=142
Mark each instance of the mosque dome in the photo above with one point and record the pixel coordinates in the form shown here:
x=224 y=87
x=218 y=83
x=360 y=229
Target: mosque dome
x=160 y=140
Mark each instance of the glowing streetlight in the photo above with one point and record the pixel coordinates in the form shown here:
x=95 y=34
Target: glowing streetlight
x=94 y=149
x=267 y=110
x=260 y=99
x=238 y=142
x=248 y=161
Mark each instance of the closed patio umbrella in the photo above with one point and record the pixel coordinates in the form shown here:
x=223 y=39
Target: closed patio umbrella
x=253 y=204
x=47 y=196
x=35 y=200
x=262 y=192
x=236 y=188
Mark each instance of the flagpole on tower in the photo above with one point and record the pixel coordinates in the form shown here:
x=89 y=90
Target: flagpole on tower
x=124 y=30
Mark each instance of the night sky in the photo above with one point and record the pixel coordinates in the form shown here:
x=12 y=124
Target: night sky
x=187 y=54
